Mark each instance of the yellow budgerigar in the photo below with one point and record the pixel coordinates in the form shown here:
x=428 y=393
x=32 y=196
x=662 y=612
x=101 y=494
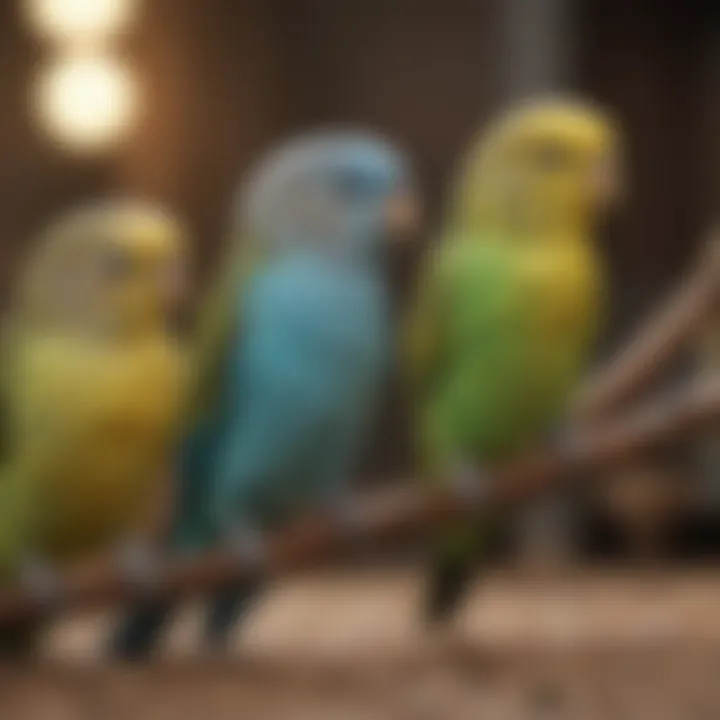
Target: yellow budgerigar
x=92 y=388
x=509 y=303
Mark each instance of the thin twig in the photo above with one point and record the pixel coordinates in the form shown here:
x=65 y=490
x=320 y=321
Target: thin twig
x=652 y=349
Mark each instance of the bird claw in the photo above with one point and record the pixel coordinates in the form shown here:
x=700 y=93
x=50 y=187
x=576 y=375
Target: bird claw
x=344 y=510
x=41 y=581
x=567 y=441
x=140 y=564
x=470 y=482
x=248 y=544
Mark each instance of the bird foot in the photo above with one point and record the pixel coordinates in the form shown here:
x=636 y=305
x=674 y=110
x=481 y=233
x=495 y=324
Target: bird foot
x=41 y=581
x=343 y=507
x=247 y=542
x=140 y=563
x=567 y=440
x=470 y=481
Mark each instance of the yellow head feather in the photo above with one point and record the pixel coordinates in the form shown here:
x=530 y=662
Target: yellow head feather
x=540 y=167
x=112 y=264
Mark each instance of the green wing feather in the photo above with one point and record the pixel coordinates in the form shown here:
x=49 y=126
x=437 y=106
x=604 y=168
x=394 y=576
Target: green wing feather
x=466 y=356
x=19 y=502
x=424 y=339
x=217 y=321
x=466 y=306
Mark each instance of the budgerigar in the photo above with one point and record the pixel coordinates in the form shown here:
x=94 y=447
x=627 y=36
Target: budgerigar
x=508 y=306
x=92 y=386
x=292 y=358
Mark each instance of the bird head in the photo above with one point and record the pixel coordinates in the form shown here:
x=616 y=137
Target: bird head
x=543 y=167
x=114 y=267
x=340 y=192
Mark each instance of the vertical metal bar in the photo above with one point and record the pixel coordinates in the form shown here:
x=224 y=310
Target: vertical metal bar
x=708 y=350
x=537 y=47
x=536 y=57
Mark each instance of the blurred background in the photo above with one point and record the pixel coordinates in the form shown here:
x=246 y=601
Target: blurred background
x=173 y=99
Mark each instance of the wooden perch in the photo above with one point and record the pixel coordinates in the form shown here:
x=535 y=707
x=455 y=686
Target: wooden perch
x=403 y=513
x=657 y=344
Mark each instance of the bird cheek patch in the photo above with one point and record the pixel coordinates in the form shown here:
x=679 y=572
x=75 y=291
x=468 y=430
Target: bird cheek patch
x=402 y=215
x=74 y=287
x=312 y=209
x=607 y=181
x=173 y=283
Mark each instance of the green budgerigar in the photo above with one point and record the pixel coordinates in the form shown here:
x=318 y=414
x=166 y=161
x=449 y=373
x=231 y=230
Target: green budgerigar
x=508 y=306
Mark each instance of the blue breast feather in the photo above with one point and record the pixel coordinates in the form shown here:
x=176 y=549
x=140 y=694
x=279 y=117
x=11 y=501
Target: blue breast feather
x=303 y=375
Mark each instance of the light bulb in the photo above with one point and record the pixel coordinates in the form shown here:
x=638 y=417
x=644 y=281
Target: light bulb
x=76 y=21
x=86 y=102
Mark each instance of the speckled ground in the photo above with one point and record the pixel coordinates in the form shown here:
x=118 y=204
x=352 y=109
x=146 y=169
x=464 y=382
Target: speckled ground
x=346 y=646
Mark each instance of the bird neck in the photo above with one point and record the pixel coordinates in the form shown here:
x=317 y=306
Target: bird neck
x=540 y=225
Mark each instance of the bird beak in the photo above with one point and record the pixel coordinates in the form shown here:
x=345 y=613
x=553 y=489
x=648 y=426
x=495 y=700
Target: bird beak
x=402 y=215
x=174 y=291
x=608 y=182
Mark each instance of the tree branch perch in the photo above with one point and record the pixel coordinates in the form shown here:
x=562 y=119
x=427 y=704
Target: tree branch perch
x=657 y=343
x=403 y=513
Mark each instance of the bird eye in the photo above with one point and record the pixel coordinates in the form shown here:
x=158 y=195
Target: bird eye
x=116 y=265
x=351 y=185
x=551 y=157
x=172 y=279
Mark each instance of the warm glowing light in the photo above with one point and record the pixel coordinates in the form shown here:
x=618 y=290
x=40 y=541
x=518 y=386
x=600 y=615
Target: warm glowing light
x=86 y=103
x=78 y=20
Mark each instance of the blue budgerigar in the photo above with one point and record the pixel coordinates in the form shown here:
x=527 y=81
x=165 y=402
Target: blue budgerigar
x=290 y=357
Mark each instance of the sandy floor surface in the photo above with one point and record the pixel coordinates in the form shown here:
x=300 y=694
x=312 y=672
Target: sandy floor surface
x=346 y=646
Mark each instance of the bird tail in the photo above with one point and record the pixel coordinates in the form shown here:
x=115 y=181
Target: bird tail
x=455 y=562
x=230 y=606
x=19 y=509
x=19 y=641
x=140 y=631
